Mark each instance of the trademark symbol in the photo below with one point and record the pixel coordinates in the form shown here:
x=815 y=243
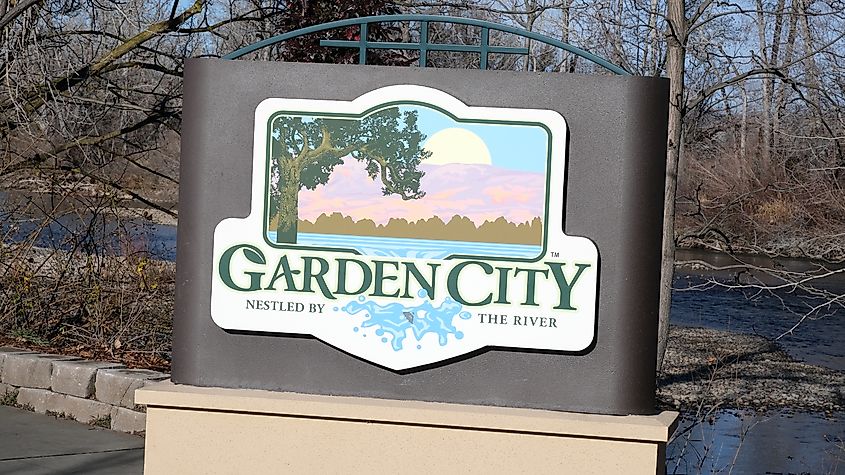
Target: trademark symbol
x=555 y=254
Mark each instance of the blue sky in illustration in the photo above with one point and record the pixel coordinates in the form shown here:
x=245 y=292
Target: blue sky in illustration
x=512 y=147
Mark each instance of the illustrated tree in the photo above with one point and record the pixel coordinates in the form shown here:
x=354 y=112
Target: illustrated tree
x=305 y=151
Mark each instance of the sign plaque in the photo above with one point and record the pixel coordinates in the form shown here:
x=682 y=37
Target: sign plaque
x=407 y=228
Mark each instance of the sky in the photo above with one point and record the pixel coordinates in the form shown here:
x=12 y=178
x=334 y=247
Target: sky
x=479 y=192
x=481 y=171
x=512 y=147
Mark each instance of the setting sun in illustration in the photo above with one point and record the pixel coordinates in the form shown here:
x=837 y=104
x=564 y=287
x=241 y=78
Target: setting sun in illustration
x=456 y=145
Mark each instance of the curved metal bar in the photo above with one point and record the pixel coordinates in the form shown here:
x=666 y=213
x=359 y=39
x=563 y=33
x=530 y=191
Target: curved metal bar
x=364 y=21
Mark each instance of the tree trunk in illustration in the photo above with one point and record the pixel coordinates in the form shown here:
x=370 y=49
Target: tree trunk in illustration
x=288 y=212
x=307 y=150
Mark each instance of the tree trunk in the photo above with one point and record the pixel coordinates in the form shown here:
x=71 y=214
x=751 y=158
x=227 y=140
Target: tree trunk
x=774 y=60
x=619 y=48
x=782 y=92
x=652 y=68
x=567 y=65
x=811 y=71
x=531 y=18
x=676 y=55
x=764 y=163
x=288 y=212
x=743 y=131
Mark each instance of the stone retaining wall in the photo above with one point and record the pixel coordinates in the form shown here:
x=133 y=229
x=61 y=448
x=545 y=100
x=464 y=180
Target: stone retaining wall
x=93 y=392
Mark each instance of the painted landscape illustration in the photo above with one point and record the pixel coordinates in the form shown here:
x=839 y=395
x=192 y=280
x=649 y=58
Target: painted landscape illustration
x=408 y=181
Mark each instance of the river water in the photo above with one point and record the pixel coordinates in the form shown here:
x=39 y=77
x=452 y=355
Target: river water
x=745 y=441
x=21 y=215
x=729 y=441
x=819 y=340
x=749 y=442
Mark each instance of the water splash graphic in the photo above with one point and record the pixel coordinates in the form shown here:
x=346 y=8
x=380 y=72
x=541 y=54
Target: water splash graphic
x=392 y=320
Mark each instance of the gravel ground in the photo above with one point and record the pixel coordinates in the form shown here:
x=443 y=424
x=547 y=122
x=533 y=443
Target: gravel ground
x=149 y=214
x=712 y=368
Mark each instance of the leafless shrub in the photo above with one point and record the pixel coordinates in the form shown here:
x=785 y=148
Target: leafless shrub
x=91 y=290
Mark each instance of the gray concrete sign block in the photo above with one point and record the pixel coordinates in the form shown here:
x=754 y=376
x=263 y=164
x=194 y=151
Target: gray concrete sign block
x=127 y=420
x=76 y=378
x=38 y=400
x=117 y=386
x=613 y=195
x=30 y=369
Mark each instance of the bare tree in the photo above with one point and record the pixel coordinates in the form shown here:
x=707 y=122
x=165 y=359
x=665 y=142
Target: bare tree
x=91 y=98
x=89 y=135
x=743 y=77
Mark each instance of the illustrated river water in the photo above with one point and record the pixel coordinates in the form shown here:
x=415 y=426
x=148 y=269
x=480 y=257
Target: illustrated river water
x=392 y=321
x=414 y=248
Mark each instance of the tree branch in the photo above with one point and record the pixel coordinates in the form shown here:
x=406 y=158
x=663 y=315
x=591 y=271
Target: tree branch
x=38 y=97
x=16 y=12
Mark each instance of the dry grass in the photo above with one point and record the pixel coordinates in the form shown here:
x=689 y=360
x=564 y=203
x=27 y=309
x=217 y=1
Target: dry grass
x=100 y=300
x=787 y=206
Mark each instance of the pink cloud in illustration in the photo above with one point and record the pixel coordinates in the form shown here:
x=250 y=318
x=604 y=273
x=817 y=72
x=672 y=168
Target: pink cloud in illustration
x=509 y=193
x=479 y=192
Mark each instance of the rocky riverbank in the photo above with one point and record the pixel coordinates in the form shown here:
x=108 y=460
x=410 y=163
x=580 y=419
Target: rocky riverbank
x=703 y=368
x=717 y=369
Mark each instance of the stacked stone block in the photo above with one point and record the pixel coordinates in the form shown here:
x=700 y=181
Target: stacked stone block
x=99 y=393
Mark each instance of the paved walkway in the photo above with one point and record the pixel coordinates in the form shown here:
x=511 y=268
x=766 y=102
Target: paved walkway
x=37 y=444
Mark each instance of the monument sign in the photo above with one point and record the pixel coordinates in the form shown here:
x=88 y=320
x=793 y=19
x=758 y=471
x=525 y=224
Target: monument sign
x=404 y=260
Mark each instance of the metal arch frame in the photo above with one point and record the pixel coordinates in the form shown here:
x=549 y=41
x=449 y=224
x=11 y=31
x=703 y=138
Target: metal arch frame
x=423 y=46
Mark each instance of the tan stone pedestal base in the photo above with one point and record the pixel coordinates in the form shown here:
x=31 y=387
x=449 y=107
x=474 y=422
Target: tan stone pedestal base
x=213 y=430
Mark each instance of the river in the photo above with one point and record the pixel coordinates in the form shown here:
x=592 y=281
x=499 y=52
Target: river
x=749 y=442
x=819 y=340
x=738 y=441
